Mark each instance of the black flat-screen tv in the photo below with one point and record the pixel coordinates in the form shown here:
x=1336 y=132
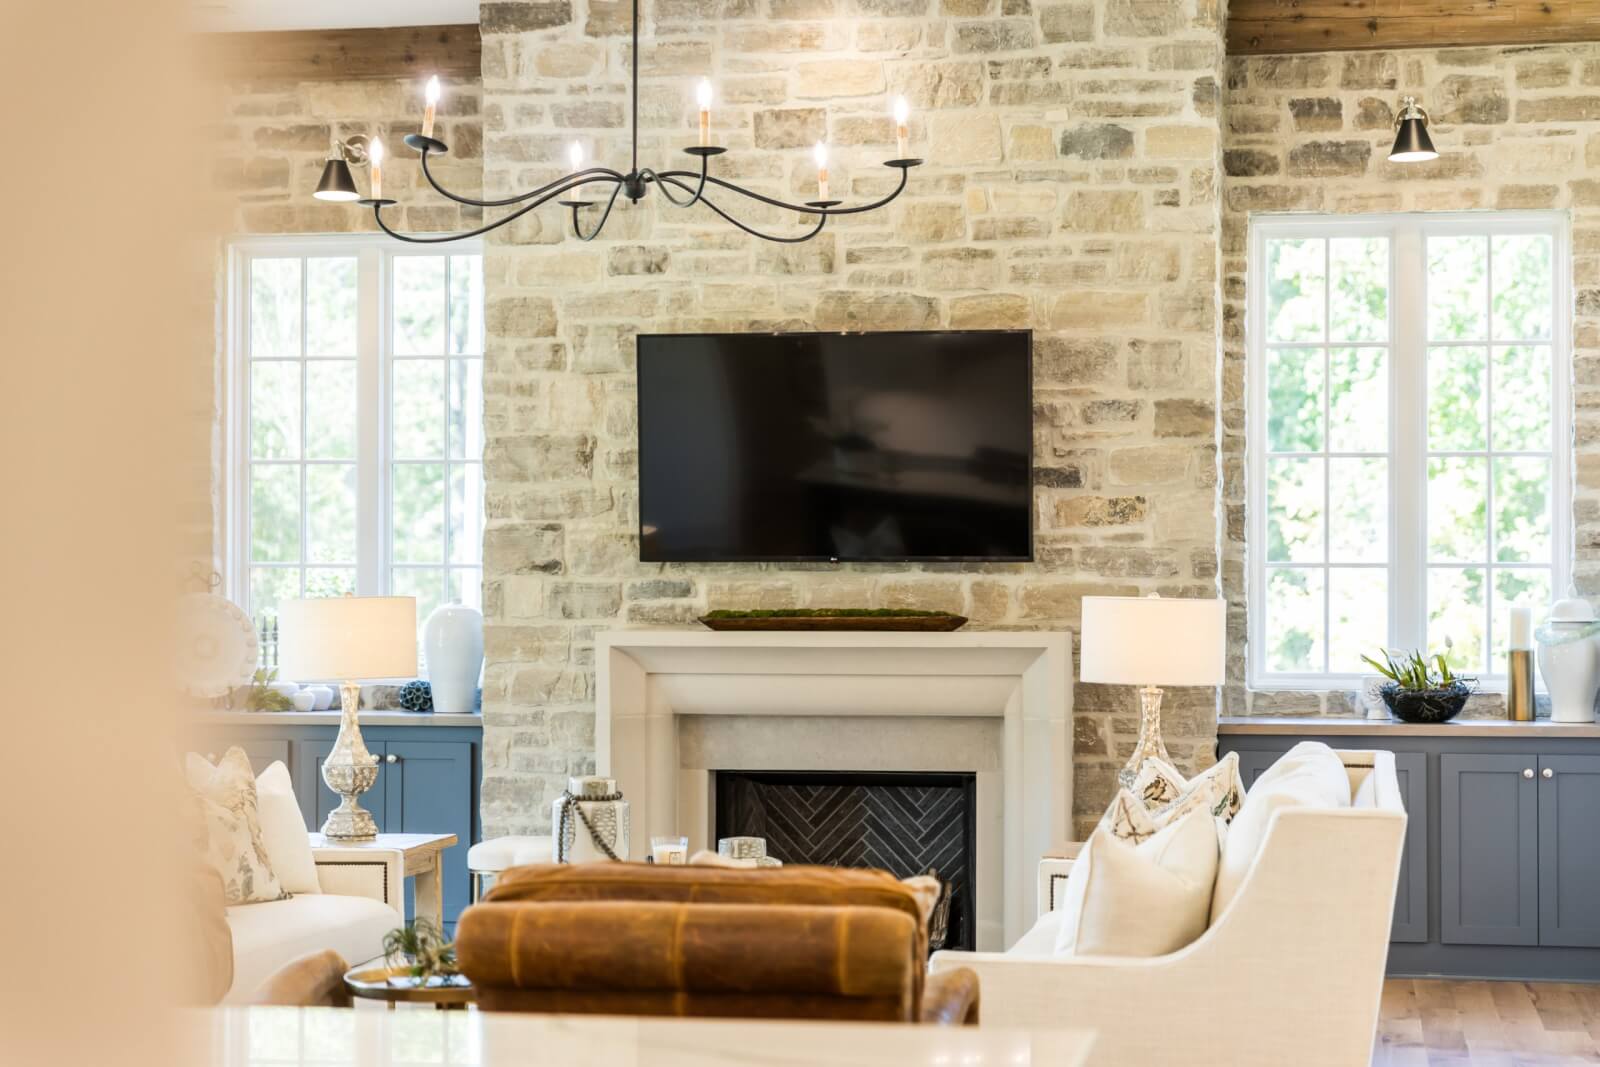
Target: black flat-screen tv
x=838 y=447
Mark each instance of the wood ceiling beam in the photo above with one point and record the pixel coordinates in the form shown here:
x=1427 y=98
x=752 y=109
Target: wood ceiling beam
x=452 y=52
x=1259 y=27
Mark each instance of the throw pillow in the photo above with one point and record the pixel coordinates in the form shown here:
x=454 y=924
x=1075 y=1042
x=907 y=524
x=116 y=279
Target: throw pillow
x=1309 y=775
x=283 y=831
x=234 y=844
x=1146 y=899
x=1161 y=795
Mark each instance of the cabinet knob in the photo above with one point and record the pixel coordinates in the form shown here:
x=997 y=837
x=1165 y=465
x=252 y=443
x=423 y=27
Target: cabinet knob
x=392 y=758
x=1548 y=773
x=1527 y=772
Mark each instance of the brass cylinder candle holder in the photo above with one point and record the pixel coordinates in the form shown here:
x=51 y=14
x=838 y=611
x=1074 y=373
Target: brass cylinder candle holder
x=1519 y=685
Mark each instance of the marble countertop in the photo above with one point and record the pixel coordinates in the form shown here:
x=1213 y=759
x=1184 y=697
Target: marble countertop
x=1327 y=726
x=330 y=1037
x=393 y=717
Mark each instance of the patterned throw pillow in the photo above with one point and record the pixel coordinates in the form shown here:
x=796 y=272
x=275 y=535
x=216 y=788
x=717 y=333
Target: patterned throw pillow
x=233 y=829
x=1161 y=795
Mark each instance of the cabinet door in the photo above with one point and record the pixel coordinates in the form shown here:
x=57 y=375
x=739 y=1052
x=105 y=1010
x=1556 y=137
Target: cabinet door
x=1488 y=850
x=1411 y=897
x=1253 y=761
x=430 y=792
x=316 y=799
x=1569 y=850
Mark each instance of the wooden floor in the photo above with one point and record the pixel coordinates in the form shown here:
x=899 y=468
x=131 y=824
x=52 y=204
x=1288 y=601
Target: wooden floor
x=1479 y=1024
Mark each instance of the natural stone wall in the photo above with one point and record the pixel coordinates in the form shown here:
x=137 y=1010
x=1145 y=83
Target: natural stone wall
x=1515 y=128
x=270 y=139
x=1072 y=187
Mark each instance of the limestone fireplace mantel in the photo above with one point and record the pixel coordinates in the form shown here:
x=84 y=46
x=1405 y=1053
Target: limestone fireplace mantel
x=916 y=690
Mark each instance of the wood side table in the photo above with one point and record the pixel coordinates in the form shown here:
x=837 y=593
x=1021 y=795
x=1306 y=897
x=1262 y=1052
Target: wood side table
x=423 y=862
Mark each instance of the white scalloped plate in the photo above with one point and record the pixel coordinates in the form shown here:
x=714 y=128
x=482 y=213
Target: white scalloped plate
x=217 y=645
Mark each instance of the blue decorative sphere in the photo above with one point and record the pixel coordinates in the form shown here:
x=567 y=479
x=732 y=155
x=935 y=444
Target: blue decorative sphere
x=416 y=696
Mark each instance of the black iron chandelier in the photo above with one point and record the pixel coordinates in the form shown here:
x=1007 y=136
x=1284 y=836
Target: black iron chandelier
x=683 y=188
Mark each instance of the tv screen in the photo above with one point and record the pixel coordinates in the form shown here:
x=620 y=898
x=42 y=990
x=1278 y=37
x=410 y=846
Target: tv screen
x=826 y=446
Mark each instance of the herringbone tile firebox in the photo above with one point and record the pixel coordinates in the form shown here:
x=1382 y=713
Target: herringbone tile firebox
x=905 y=823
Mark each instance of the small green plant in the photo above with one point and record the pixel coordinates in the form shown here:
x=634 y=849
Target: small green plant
x=422 y=949
x=260 y=698
x=1416 y=672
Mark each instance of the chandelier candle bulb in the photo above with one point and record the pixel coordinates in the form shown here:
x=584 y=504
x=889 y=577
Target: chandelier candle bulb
x=575 y=155
x=375 y=157
x=704 y=93
x=431 y=95
x=902 y=113
x=820 y=153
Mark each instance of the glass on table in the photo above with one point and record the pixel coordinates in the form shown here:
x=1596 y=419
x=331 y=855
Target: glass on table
x=673 y=851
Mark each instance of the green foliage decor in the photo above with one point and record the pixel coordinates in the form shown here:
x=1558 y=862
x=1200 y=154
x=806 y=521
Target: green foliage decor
x=1416 y=672
x=259 y=698
x=826 y=613
x=421 y=949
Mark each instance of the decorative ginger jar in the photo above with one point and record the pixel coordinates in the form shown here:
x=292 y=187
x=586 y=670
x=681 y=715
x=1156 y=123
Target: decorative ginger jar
x=1569 y=659
x=452 y=642
x=590 y=821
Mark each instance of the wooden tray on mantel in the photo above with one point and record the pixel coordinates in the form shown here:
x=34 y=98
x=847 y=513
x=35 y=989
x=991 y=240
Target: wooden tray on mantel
x=836 y=623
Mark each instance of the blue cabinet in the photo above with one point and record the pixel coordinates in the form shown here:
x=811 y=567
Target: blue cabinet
x=1569 y=850
x=1488 y=850
x=1500 y=877
x=428 y=780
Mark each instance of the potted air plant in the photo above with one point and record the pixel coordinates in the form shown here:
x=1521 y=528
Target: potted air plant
x=419 y=955
x=1422 y=688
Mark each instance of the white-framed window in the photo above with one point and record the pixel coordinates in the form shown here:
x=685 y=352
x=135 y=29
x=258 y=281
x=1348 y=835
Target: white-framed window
x=1408 y=437
x=355 y=421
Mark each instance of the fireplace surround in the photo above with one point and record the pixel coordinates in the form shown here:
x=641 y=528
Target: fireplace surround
x=673 y=707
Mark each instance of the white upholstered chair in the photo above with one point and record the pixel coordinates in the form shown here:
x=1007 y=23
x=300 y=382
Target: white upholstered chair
x=1290 y=972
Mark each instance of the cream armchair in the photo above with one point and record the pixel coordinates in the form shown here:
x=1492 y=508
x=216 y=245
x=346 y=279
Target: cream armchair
x=1291 y=972
x=362 y=898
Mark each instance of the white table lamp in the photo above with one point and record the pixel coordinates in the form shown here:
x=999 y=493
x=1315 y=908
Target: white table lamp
x=1151 y=642
x=348 y=639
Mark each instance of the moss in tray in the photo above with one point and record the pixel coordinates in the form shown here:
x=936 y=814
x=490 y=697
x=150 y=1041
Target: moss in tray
x=826 y=613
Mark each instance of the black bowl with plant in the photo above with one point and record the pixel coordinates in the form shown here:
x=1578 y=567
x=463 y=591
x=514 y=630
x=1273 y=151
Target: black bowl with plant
x=1422 y=689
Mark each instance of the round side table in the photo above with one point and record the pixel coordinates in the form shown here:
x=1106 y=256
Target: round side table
x=370 y=981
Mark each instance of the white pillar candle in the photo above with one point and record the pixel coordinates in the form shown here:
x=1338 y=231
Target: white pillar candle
x=1521 y=627
x=704 y=93
x=431 y=95
x=375 y=155
x=575 y=155
x=820 y=153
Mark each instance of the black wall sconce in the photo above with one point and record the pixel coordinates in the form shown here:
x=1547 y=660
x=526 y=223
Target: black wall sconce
x=337 y=183
x=1411 y=141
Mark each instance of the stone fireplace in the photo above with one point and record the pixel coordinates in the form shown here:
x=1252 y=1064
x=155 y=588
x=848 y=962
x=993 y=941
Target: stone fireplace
x=674 y=708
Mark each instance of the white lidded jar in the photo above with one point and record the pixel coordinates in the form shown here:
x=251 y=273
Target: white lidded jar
x=452 y=642
x=1569 y=659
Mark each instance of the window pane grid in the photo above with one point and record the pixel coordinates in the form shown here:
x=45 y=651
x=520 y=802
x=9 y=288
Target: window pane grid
x=1486 y=582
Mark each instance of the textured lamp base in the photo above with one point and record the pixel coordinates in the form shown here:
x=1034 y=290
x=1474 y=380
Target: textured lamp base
x=1150 y=743
x=350 y=770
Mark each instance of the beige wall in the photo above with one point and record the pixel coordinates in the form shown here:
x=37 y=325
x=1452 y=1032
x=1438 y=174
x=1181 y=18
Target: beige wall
x=1515 y=128
x=1071 y=187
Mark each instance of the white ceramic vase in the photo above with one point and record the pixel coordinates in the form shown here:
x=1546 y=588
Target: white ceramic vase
x=452 y=641
x=1569 y=660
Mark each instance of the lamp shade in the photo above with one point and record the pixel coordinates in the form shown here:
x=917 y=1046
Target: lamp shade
x=348 y=638
x=337 y=182
x=1412 y=143
x=1152 y=641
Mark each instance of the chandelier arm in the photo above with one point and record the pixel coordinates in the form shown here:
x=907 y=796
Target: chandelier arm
x=651 y=176
x=822 y=218
x=377 y=214
x=604 y=215
x=801 y=209
x=605 y=172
